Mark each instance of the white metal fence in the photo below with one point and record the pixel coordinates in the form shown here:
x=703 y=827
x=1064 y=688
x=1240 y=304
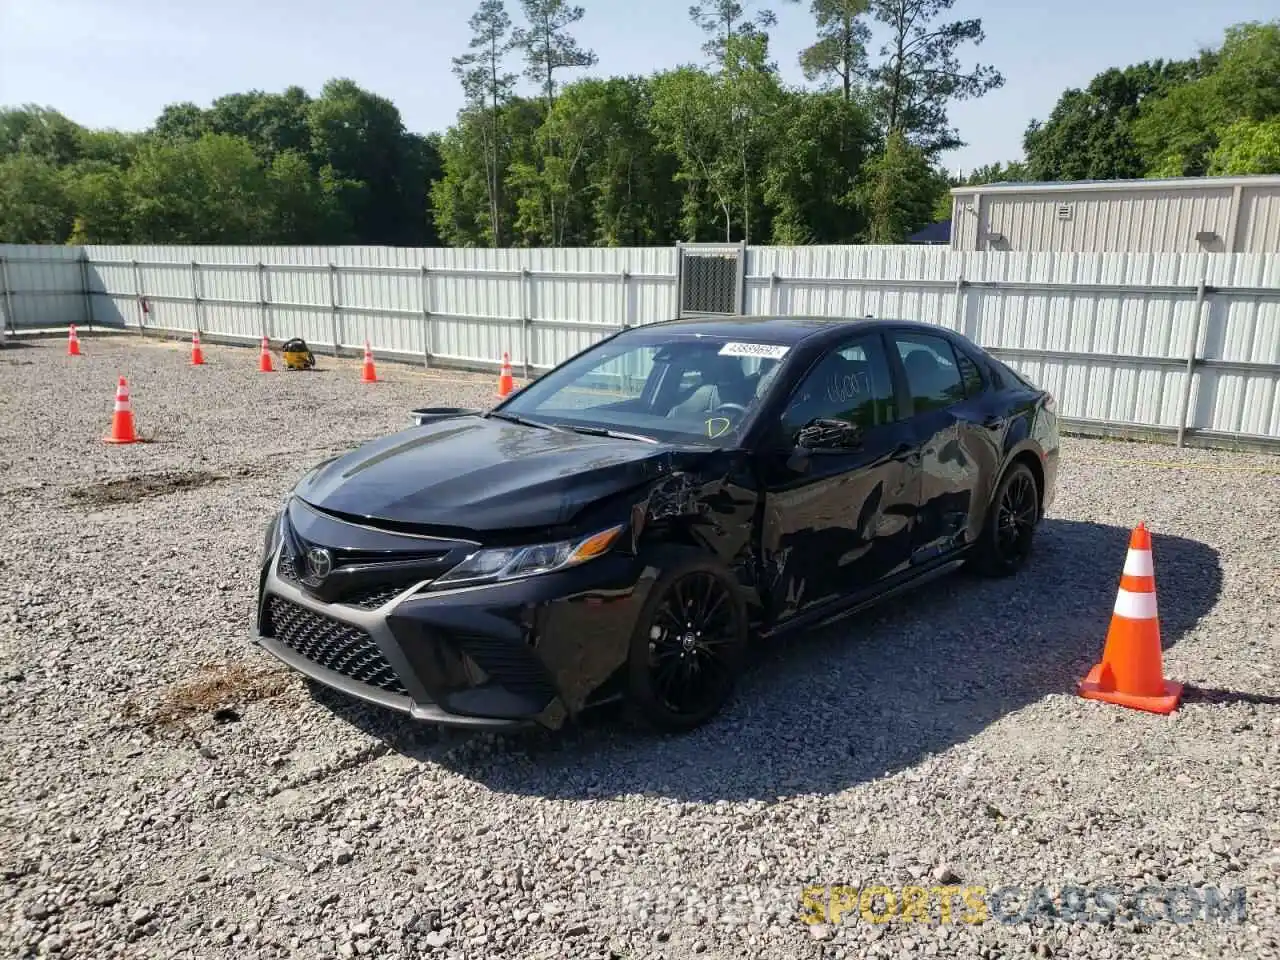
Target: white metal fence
x=1142 y=344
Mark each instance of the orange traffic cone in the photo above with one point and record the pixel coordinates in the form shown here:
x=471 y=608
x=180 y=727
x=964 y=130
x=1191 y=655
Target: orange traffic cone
x=197 y=355
x=73 y=342
x=264 y=359
x=122 y=417
x=1130 y=673
x=505 y=384
x=368 y=374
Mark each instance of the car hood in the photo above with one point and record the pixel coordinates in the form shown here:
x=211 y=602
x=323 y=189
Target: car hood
x=481 y=474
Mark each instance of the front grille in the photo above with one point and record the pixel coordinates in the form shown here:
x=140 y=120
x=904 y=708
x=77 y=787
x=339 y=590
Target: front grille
x=332 y=644
x=374 y=597
x=286 y=567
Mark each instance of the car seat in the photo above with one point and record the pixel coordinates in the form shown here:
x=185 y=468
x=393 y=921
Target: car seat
x=723 y=381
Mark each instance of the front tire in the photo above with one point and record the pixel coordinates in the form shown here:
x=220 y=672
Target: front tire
x=688 y=646
x=1009 y=531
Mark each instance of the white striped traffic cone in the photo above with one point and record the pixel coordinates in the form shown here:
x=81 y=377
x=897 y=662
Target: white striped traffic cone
x=122 y=417
x=1131 y=672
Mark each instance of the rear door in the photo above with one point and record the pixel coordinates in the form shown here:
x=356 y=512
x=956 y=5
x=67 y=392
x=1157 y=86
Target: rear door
x=842 y=521
x=959 y=441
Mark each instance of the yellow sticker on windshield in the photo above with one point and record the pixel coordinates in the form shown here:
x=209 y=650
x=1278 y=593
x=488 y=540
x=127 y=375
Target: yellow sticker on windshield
x=713 y=426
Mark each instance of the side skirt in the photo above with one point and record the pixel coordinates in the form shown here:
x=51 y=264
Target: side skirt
x=822 y=618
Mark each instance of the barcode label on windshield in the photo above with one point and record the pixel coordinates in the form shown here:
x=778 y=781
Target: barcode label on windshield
x=770 y=351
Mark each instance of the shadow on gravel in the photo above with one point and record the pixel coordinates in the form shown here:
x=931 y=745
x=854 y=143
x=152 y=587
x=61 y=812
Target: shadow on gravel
x=877 y=694
x=1194 y=694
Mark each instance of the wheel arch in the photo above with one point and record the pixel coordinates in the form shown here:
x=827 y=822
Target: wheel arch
x=1029 y=454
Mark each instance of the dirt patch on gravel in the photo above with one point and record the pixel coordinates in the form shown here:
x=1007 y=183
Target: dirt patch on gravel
x=119 y=490
x=217 y=693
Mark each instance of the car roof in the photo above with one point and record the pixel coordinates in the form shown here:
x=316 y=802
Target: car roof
x=790 y=330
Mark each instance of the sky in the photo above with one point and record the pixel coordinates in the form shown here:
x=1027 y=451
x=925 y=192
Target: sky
x=117 y=63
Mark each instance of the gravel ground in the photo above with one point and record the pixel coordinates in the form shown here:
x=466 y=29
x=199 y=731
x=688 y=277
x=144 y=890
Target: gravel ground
x=166 y=791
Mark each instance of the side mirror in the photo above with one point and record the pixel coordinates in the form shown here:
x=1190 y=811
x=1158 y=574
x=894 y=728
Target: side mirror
x=829 y=436
x=820 y=437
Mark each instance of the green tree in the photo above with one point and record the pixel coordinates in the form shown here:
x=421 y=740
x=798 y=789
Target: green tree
x=899 y=192
x=1014 y=172
x=547 y=182
x=40 y=132
x=629 y=181
x=461 y=196
x=110 y=147
x=547 y=44
x=34 y=206
x=1089 y=134
x=725 y=20
x=461 y=200
x=361 y=138
x=752 y=96
x=210 y=190
x=840 y=52
x=920 y=72
x=1247 y=147
x=487 y=86
x=101 y=200
x=273 y=123
x=690 y=121
x=181 y=121
x=307 y=208
x=819 y=149
x=1178 y=133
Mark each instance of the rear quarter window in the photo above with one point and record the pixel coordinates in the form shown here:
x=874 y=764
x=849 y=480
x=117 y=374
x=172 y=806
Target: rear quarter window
x=1007 y=378
x=970 y=373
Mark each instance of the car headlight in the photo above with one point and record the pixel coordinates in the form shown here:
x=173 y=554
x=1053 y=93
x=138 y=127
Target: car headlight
x=508 y=563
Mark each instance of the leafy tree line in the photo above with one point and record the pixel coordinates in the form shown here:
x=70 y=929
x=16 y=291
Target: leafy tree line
x=1215 y=114
x=721 y=149
x=717 y=150
x=252 y=168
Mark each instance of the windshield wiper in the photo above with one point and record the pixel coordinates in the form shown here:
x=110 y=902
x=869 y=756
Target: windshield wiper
x=602 y=432
x=500 y=415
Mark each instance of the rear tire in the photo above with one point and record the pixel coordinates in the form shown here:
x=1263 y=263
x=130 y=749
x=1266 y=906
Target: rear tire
x=688 y=646
x=1007 y=535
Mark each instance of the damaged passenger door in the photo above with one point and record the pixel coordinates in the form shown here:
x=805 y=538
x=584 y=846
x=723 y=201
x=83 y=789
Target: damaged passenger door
x=839 y=500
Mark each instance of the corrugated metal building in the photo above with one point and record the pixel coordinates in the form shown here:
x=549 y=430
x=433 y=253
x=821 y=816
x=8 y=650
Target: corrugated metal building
x=1184 y=215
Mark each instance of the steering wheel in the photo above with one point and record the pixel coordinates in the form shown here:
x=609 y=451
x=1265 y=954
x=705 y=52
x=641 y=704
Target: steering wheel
x=714 y=419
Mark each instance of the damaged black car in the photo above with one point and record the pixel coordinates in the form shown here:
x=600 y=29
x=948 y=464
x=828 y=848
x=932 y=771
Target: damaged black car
x=629 y=525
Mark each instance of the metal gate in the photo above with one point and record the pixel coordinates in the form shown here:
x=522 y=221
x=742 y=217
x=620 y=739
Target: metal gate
x=712 y=278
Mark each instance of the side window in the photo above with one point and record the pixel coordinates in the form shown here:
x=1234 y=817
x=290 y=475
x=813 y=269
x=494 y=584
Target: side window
x=851 y=383
x=933 y=378
x=970 y=373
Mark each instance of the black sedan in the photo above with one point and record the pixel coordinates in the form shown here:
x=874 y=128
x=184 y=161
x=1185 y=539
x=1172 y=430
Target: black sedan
x=625 y=525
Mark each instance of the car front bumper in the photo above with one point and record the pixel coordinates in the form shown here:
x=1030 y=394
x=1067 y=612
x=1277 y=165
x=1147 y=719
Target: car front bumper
x=531 y=651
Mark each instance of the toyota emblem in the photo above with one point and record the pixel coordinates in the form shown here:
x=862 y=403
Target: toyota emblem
x=319 y=563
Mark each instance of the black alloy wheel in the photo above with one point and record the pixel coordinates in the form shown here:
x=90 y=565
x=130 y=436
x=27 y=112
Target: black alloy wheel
x=1011 y=523
x=688 y=646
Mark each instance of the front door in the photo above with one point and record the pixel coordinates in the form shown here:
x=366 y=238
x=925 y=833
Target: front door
x=841 y=520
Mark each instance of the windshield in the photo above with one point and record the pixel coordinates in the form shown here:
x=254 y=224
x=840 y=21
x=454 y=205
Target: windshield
x=694 y=389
